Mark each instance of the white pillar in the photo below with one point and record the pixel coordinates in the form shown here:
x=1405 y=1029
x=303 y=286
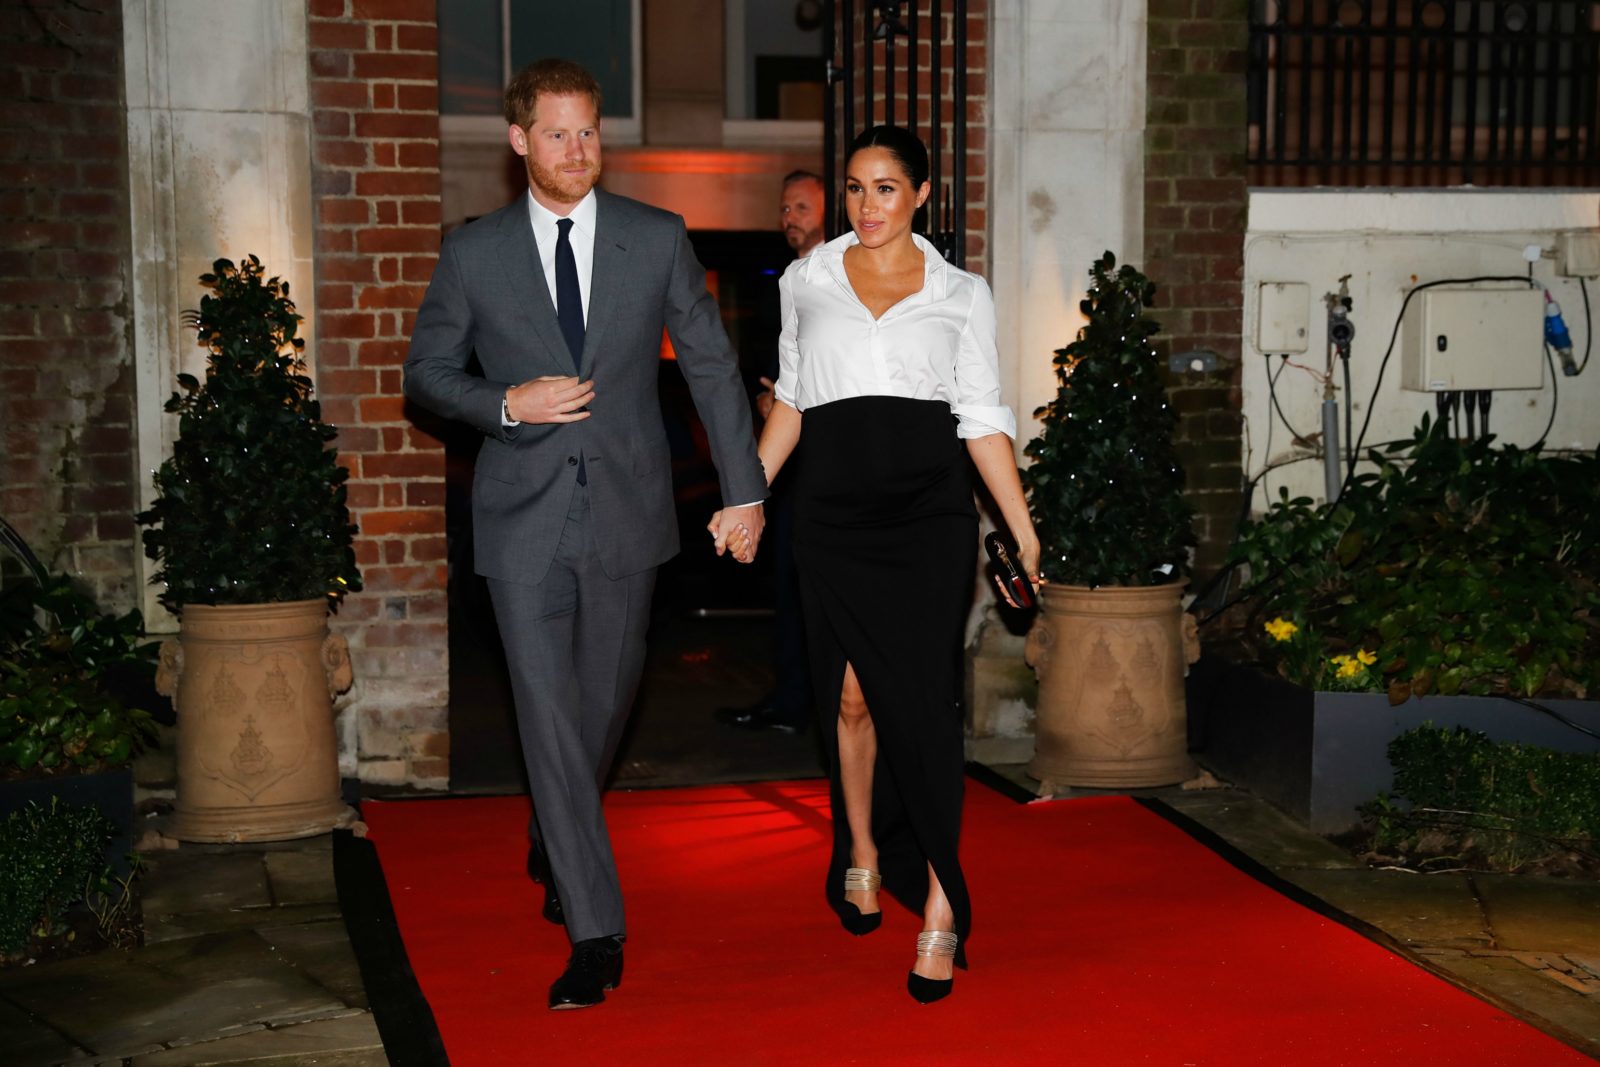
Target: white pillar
x=1067 y=142
x=219 y=166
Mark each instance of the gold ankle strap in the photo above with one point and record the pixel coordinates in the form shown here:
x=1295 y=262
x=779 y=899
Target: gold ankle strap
x=861 y=880
x=936 y=943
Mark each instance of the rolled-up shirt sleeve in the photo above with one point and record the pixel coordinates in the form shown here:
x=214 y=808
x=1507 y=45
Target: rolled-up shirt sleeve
x=786 y=388
x=977 y=405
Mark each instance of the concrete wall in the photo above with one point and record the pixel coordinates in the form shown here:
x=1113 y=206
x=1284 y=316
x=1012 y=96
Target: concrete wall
x=1389 y=241
x=219 y=155
x=1066 y=130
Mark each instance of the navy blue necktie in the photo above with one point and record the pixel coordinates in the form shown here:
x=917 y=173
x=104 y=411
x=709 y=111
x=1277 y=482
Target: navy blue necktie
x=569 y=309
x=569 y=298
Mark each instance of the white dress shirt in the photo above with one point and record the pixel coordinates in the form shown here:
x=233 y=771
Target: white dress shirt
x=581 y=237
x=545 y=235
x=936 y=344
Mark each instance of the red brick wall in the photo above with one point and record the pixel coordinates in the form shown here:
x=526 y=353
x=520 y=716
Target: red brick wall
x=375 y=98
x=66 y=376
x=977 y=88
x=1194 y=216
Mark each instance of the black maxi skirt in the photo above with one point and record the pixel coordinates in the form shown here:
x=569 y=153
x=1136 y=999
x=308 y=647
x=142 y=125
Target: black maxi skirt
x=884 y=543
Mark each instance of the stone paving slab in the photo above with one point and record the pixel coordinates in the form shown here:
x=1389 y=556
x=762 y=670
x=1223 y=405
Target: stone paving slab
x=1542 y=914
x=345 y=1041
x=322 y=950
x=193 y=881
x=301 y=877
x=1259 y=830
x=130 y=1003
x=25 y=1042
x=1517 y=984
x=1414 y=909
x=181 y=927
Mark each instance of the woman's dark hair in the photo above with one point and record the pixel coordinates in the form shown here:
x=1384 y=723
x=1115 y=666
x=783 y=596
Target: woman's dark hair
x=900 y=143
x=907 y=150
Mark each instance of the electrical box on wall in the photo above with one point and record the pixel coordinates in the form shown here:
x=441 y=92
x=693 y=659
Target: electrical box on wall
x=1473 y=339
x=1578 y=255
x=1283 y=317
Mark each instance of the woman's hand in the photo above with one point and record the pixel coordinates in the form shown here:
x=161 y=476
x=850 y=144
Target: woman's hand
x=1028 y=555
x=739 y=543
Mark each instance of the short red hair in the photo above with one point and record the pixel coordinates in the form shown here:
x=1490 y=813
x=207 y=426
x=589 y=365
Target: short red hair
x=547 y=77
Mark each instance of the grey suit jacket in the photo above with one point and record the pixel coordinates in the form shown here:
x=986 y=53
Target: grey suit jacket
x=489 y=294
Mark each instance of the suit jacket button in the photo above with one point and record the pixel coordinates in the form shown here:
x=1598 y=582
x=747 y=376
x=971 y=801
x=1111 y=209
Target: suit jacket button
x=572 y=461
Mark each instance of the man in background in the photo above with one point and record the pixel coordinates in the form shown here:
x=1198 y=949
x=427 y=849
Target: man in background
x=787 y=709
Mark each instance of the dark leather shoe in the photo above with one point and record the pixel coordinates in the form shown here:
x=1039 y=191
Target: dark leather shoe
x=539 y=871
x=756 y=717
x=593 y=969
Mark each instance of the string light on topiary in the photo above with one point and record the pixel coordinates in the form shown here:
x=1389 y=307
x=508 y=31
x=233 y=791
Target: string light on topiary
x=1112 y=424
x=252 y=485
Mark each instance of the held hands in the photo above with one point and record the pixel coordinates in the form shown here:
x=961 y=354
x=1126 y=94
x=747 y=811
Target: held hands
x=738 y=530
x=550 y=399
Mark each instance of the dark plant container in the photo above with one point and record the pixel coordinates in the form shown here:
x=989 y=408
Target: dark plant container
x=109 y=791
x=1320 y=755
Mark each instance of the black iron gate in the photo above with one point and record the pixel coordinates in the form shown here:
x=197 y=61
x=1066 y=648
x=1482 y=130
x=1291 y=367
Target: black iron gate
x=1445 y=91
x=884 y=60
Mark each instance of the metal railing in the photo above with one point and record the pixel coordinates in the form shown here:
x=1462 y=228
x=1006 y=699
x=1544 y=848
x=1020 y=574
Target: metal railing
x=875 y=51
x=1485 y=92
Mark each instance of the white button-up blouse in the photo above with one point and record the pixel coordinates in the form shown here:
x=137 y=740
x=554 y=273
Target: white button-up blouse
x=936 y=344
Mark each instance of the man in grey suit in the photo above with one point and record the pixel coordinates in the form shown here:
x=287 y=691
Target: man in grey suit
x=563 y=294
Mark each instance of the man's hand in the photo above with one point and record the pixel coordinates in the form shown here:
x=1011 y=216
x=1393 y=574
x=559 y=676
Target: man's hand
x=738 y=530
x=550 y=399
x=767 y=397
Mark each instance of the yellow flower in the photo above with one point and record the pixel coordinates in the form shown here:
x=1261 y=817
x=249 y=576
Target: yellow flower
x=1348 y=666
x=1281 y=629
x=1368 y=658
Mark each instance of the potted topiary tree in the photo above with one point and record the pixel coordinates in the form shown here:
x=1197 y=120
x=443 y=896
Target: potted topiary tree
x=254 y=541
x=1106 y=492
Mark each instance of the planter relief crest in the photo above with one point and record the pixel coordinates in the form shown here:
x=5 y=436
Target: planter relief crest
x=253 y=686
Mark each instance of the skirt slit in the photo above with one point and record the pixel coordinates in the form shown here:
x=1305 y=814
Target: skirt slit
x=885 y=544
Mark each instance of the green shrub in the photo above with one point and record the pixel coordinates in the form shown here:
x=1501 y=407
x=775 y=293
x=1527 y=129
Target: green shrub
x=57 y=710
x=1461 y=567
x=50 y=859
x=1510 y=803
x=1105 y=488
x=250 y=508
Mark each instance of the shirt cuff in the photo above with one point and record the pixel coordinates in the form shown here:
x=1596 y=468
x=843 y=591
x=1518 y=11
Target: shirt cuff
x=752 y=504
x=975 y=420
x=506 y=420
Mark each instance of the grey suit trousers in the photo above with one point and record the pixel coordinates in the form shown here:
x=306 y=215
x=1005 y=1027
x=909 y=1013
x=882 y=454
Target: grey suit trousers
x=575 y=646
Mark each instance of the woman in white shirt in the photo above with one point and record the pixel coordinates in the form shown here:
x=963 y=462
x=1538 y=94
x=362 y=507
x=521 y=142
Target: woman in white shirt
x=887 y=369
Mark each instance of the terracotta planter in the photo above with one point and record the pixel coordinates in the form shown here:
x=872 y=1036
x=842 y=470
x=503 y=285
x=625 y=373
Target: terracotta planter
x=1110 y=663
x=253 y=686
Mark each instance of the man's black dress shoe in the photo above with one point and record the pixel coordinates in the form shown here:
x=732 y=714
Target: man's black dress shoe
x=594 y=967
x=756 y=717
x=539 y=871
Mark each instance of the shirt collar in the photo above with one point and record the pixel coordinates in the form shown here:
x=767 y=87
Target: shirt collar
x=934 y=265
x=582 y=216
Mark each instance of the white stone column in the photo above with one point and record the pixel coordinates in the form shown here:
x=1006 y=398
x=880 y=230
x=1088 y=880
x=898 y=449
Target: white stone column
x=1066 y=142
x=1066 y=135
x=219 y=165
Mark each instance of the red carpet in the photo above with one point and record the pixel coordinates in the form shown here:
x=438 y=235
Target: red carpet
x=1103 y=935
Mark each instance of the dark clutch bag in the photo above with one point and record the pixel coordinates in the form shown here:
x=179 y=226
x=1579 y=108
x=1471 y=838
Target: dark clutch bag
x=1009 y=570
